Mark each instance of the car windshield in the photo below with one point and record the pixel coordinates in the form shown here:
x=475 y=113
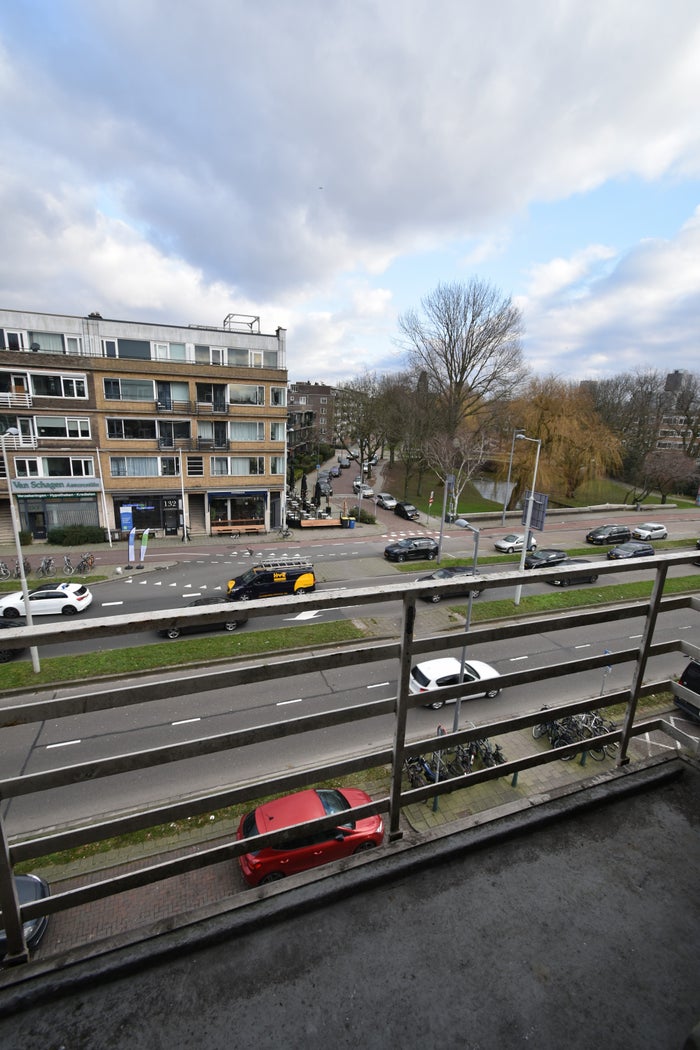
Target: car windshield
x=247 y=577
x=421 y=678
x=333 y=801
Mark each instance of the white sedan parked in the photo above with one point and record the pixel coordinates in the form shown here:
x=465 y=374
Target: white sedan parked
x=49 y=600
x=650 y=530
x=386 y=500
x=436 y=674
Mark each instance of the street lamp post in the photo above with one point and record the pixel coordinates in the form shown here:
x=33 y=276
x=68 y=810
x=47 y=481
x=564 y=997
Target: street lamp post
x=530 y=504
x=516 y=432
x=462 y=524
x=14 y=432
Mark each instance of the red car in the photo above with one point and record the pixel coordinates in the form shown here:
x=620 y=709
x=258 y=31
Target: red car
x=308 y=849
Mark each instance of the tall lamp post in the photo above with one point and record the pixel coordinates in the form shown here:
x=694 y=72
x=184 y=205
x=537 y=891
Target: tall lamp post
x=528 y=514
x=516 y=432
x=462 y=524
x=16 y=528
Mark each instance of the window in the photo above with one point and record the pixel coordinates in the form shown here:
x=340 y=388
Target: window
x=244 y=431
x=129 y=390
x=138 y=349
x=49 y=341
x=55 y=467
x=131 y=429
x=255 y=359
x=219 y=466
x=301 y=399
x=169 y=352
x=278 y=395
x=208 y=355
x=277 y=431
x=74 y=344
x=323 y=400
x=109 y=347
x=242 y=466
x=57 y=386
x=14 y=340
x=135 y=466
x=27 y=468
x=62 y=427
x=246 y=394
x=277 y=464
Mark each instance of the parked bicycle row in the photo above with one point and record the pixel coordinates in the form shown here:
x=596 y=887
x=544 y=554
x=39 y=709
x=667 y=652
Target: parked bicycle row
x=47 y=567
x=563 y=731
x=446 y=765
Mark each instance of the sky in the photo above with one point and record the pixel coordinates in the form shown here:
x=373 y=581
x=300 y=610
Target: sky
x=325 y=164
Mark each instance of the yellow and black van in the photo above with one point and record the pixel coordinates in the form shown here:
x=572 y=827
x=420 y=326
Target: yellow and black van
x=271 y=579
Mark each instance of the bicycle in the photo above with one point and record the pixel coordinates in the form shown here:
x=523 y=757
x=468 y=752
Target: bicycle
x=5 y=571
x=17 y=571
x=284 y=532
x=47 y=567
x=83 y=567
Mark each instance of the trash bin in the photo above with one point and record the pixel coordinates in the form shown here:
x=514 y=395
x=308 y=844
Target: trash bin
x=351 y=523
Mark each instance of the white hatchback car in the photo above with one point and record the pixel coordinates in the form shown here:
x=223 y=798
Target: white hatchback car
x=650 y=530
x=514 y=542
x=49 y=600
x=436 y=674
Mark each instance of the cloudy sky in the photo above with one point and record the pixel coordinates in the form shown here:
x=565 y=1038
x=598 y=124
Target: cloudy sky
x=326 y=163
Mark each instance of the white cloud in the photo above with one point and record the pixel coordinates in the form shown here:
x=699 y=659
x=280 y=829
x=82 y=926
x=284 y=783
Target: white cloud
x=279 y=158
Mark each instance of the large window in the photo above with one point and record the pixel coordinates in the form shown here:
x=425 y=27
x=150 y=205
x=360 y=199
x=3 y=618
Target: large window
x=278 y=431
x=129 y=390
x=246 y=394
x=237 y=466
x=58 y=386
x=169 y=352
x=55 y=467
x=278 y=395
x=277 y=464
x=131 y=429
x=62 y=427
x=247 y=431
x=51 y=342
x=144 y=466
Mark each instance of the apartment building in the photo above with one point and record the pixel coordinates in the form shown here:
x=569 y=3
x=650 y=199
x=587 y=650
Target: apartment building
x=311 y=415
x=124 y=423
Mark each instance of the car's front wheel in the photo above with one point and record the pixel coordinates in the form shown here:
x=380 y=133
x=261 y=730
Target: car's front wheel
x=511 y=550
x=401 y=557
x=364 y=846
x=273 y=876
x=436 y=705
x=493 y=693
x=11 y=614
x=436 y=598
x=231 y=625
x=173 y=632
x=69 y=610
x=431 y=556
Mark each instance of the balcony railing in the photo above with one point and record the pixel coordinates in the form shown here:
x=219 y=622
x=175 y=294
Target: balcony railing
x=390 y=748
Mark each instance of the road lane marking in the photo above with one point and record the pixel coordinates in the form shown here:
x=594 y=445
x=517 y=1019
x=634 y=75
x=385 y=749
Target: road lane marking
x=378 y=685
x=64 y=743
x=283 y=703
x=185 y=721
x=305 y=615
x=585 y=645
x=514 y=659
x=105 y=604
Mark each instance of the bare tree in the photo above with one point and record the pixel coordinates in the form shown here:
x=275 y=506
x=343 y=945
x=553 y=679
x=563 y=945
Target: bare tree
x=667 y=470
x=466 y=339
x=359 y=416
x=459 y=457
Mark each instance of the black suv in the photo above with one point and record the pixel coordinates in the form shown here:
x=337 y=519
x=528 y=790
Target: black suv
x=418 y=549
x=690 y=680
x=406 y=510
x=609 y=534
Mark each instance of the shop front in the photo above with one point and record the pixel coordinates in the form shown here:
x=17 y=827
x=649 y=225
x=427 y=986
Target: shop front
x=48 y=503
x=239 y=509
x=157 y=512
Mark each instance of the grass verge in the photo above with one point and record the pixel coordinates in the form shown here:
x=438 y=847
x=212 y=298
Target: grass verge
x=169 y=654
